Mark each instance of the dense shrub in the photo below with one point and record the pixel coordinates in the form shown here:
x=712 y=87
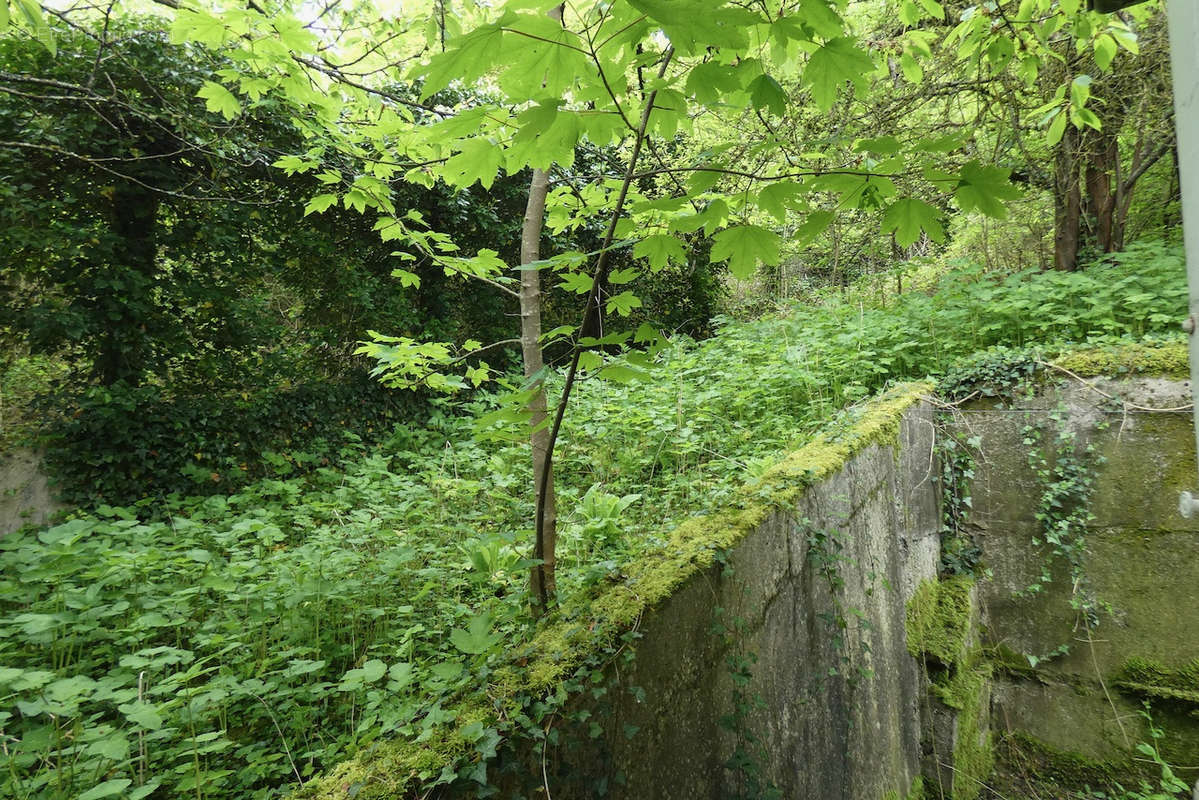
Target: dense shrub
x=228 y=646
x=125 y=443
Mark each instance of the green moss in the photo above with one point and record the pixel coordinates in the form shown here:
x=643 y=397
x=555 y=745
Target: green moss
x=968 y=691
x=939 y=624
x=395 y=768
x=1029 y=765
x=915 y=791
x=1167 y=359
x=828 y=452
x=938 y=620
x=1147 y=678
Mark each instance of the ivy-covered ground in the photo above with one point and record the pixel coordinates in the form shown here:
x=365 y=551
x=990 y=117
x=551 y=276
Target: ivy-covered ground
x=232 y=646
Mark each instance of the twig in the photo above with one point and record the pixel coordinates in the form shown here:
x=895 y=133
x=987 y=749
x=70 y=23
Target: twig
x=1099 y=391
x=283 y=738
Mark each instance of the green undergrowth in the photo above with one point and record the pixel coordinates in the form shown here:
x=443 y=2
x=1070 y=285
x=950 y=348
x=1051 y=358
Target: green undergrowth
x=585 y=630
x=22 y=380
x=1028 y=768
x=238 y=645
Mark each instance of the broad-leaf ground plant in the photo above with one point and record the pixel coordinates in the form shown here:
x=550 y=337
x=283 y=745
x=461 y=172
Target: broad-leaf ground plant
x=231 y=647
x=631 y=77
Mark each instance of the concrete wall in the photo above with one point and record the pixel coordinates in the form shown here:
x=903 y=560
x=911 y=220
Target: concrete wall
x=836 y=721
x=25 y=496
x=1141 y=559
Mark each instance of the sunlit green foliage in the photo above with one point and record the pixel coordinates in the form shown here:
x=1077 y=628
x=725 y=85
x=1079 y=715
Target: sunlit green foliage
x=224 y=647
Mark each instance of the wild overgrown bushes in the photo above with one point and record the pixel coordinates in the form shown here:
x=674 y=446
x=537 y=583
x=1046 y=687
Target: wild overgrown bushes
x=231 y=646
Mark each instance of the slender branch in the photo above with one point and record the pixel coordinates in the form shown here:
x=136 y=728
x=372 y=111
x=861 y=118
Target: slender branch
x=537 y=38
x=594 y=309
x=98 y=163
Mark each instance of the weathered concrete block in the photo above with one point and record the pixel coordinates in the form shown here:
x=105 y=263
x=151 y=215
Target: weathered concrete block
x=25 y=495
x=1139 y=567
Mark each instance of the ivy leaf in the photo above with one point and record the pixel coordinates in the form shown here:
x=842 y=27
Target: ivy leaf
x=985 y=189
x=478 y=160
x=765 y=92
x=660 y=249
x=908 y=217
x=219 y=100
x=744 y=247
x=477 y=638
x=623 y=303
x=319 y=203
x=837 y=61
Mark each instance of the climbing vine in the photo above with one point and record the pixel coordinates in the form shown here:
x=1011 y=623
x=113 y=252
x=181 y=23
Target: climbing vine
x=1065 y=473
x=960 y=554
x=747 y=762
x=826 y=554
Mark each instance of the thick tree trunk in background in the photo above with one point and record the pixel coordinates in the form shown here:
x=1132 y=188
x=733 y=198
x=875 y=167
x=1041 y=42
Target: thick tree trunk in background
x=1103 y=160
x=541 y=577
x=133 y=220
x=1067 y=201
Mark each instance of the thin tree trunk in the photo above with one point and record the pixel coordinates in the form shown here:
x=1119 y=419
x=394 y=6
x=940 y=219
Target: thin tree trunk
x=1067 y=201
x=592 y=322
x=541 y=576
x=542 y=583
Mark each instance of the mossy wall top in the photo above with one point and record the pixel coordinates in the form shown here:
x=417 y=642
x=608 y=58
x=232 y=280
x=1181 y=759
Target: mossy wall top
x=856 y=481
